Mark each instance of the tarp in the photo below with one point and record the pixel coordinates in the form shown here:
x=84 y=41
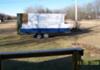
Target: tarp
x=44 y=21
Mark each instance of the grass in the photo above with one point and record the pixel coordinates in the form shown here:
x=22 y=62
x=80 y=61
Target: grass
x=88 y=40
x=25 y=43
x=28 y=43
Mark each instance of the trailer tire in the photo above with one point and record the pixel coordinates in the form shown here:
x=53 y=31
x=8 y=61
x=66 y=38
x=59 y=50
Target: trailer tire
x=38 y=36
x=45 y=35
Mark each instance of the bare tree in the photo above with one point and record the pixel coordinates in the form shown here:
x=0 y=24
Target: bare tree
x=70 y=11
x=97 y=7
x=37 y=10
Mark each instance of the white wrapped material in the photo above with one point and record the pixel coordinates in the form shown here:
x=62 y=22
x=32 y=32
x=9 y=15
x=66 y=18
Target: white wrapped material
x=44 y=21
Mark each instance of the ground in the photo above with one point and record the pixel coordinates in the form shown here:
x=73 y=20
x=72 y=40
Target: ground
x=88 y=38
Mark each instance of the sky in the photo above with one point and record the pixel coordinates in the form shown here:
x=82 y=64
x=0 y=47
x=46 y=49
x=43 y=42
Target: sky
x=12 y=7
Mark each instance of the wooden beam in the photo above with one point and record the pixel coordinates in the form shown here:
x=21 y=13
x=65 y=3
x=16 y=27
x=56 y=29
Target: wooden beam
x=76 y=52
x=40 y=53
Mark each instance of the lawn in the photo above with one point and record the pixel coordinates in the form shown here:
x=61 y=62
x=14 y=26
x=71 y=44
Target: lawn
x=88 y=39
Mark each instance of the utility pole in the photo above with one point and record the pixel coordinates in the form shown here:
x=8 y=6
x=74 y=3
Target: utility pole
x=76 y=11
x=76 y=14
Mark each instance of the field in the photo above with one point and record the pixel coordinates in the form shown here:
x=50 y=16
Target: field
x=88 y=38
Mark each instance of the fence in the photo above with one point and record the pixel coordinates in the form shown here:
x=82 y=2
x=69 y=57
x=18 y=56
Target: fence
x=76 y=55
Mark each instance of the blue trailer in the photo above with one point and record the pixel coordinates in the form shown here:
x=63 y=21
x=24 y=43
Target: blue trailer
x=43 y=24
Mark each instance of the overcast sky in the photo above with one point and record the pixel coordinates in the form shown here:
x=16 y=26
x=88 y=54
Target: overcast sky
x=12 y=7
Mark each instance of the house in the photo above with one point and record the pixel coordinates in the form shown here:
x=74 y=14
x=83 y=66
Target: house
x=4 y=17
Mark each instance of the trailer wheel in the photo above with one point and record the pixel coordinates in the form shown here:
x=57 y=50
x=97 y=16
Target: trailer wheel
x=38 y=36
x=46 y=35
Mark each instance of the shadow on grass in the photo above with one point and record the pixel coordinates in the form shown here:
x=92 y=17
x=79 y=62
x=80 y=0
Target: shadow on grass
x=25 y=41
x=74 y=32
x=18 y=42
x=55 y=64
x=64 y=63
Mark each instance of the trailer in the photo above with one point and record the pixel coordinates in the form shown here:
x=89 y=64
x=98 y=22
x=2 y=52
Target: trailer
x=41 y=25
